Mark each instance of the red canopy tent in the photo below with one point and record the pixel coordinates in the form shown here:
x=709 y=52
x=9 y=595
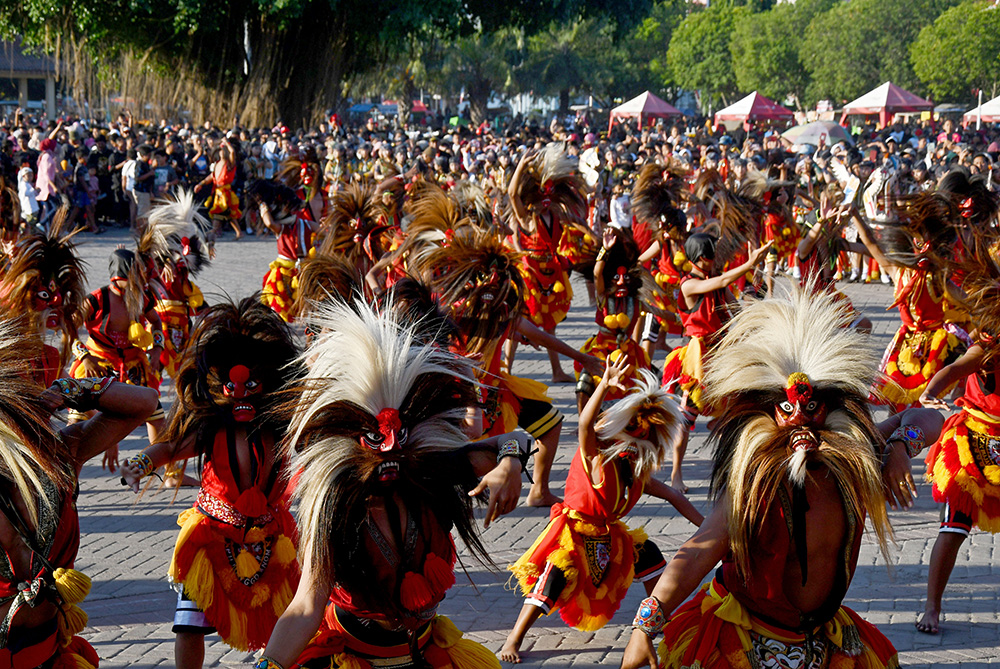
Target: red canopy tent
x=418 y=106
x=754 y=107
x=887 y=100
x=646 y=106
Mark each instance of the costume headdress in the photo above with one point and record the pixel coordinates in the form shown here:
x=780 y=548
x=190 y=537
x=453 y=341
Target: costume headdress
x=981 y=285
x=29 y=450
x=978 y=206
x=924 y=234
x=323 y=278
x=471 y=200
x=553 y=177
x=354 y=225
x=10 y=211
x=47 y=276
x=176 y=234
x=643 y=425
x=657 y=196
x=246 y=344
x=433 y=219
x=475 y=277
x=385 y=421
x=302 y=171
x=790 y=382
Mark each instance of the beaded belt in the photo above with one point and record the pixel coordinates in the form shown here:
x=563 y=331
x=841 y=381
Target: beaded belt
x=224 y=512
x=985 y=449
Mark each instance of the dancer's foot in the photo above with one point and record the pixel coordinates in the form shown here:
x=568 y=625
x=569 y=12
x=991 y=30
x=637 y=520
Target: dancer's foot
x=562 y=377
x=509 y=652
x=929 y=623
x=544 y=499
x=677 y=483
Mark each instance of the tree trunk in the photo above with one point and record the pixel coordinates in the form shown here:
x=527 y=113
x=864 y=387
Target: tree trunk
x=564 y=102
x=479 y=99
x=404 y=105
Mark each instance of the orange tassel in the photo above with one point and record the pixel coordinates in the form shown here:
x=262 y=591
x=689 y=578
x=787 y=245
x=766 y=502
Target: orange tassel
x=438 y=573
x=415 y=592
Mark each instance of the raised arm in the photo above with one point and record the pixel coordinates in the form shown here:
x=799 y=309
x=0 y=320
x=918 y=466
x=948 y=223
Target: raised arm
x=520 y=211
x=614 y=373
x=694 y=287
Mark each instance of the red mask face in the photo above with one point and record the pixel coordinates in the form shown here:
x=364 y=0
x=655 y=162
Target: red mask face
x=621 y=282
x=800 y=411
x=47 y=300
x=242 y=389
x=389 y=441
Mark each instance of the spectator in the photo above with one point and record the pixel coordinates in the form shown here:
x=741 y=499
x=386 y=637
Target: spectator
x=48 y=182
x=28 y=196
x=143 y=188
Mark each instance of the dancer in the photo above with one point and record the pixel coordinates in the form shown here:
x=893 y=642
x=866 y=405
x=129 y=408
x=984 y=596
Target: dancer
x=914 y=250
x=962 y=465
x=234 y=561
x=293 y=221
x=706 y=306
x=797 y=470
x=39 y=526
x=385 y=473
x=225 y=203
x=45 y=284
x=584 y=561
x=544 y=190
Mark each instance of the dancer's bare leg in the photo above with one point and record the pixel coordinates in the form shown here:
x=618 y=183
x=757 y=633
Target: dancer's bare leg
x=558 y=375
x=540 y=495
x=942 y=562
x=525 y=619
x=189 y=650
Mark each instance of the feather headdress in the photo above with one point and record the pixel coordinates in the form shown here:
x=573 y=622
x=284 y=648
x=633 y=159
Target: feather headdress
x=46 y=269
x=471 y=200
x=657 y=196
x=30 y=452
x=176 y=234
x=324 y=278
x=553 y=176
x=475 y=277
x=981 y=285
x=354 y=225
x=433 y=219
x=776 y=353
x=385 y=423
x=924 y=235
x=646 y=410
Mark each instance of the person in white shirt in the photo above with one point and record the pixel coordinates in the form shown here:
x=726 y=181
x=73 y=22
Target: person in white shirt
x=621 y=207
x=27 y=194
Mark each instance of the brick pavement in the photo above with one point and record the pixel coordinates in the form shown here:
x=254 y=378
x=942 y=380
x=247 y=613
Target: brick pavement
x=127 y=543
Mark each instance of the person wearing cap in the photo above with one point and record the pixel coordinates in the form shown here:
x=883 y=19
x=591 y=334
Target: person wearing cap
x=705 y=306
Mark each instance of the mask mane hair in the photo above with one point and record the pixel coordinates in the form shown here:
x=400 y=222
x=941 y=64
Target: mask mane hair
x=657 y=194
x=229 y=334
x=649 y=406
x=170 y=222
x=746 y=377
x=30 y=450
x=354 y=212
x=389 y=368
x=557 y=169
x=325 y=277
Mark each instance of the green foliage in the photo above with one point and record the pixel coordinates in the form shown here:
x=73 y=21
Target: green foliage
x=766 y=48
x=699 y=56
x=960 y=51
x=860 y=44
x=639 y=63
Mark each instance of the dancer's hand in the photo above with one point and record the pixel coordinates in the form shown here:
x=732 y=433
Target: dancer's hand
x=617 y=371
x=639 y=652
x=897 y=478
x=109 y=460
x=504 y=483
x=131 y=475
x=608 y=238
x=755 y=254
x=932 y=402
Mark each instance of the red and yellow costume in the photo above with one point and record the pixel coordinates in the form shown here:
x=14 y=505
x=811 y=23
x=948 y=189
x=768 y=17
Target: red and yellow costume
x=682 y=370
x=295 y=241
x=588 y=542
x=53 y=644
x=120 y=355
x=922 y=346
x=783 y=232
x=225 y=204
x=964 y=464
x=549 y=294
x=502 y=394
x=670 y=269
x=577 y=245
x=176 y=304
x=235 y=555
x=615 y=319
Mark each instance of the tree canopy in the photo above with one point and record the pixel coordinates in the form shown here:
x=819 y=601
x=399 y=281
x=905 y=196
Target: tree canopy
x=699 y=56
x=960 y=51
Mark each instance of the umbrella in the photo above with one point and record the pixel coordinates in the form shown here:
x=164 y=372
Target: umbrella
x=457 y=120
x=811 y=133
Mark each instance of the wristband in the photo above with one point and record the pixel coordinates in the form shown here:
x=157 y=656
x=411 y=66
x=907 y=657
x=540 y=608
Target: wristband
x=266 y=662
x=79 y=350
x=158 y=338
x=143 y=462
x=82 y=394
x=649 y=617
x=911 y=436
x=511 y=449
x=600 y=254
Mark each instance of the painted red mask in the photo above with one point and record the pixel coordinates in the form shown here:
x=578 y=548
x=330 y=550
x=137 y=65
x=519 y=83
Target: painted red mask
x=801 y=411
x=48 y=298
x=241 y=388
x=388 y=441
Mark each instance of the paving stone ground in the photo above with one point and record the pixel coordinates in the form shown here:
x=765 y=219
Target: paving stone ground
x=127 y=543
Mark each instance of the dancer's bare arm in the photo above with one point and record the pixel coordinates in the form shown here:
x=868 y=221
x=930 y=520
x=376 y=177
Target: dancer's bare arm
x=301 y=619
x=692 y=562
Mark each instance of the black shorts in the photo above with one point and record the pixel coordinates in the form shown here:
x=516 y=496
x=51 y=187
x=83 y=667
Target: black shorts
x=537 y=418
x=955 y=522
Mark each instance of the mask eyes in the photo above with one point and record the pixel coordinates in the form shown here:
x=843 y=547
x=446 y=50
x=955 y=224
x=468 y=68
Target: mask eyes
x=251 y=384
x=812 y=406
x=786 y=407
x=230 y=386
x=44 y=295
x=402 y=435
